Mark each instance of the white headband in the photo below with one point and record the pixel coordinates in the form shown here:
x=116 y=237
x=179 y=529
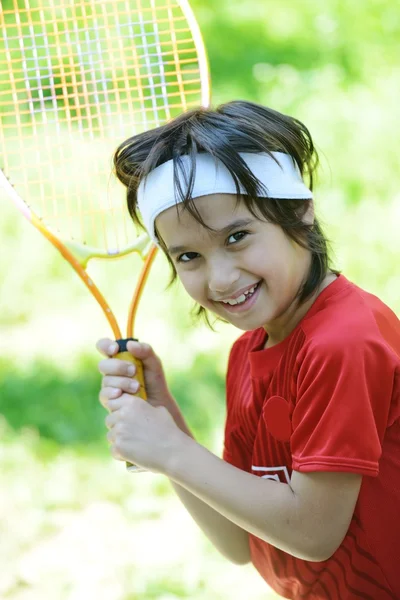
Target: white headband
x=156 y=192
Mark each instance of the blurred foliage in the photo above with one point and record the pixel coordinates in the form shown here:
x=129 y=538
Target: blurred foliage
x=75 y=526
x=358 y=38
x=63 y=406
x=60 y=407
x=334 y=65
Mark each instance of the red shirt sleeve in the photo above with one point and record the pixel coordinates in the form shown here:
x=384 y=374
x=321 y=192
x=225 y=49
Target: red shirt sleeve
x=344 y=390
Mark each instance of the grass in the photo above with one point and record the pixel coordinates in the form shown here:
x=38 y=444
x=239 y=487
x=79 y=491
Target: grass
x=78 y=526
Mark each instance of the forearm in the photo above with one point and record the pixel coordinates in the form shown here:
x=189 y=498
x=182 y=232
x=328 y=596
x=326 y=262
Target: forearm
x=229 y=539
x=265 y=508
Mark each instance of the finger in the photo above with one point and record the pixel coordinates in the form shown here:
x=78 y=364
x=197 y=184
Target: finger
x=123 y=383
x=127 y=400
x=116 y=366
x=108 y=393
x=111 y=419
x=114 y=404
x=115 y=454
x=107 y=347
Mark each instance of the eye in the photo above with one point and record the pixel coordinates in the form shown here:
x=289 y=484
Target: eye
x=187 y=257
x=237 y=237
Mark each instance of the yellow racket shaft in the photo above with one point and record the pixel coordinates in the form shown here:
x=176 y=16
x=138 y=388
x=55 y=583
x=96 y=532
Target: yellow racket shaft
x=124 y=354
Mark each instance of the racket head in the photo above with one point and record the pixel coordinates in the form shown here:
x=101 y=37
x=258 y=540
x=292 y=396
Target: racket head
x=77 y=78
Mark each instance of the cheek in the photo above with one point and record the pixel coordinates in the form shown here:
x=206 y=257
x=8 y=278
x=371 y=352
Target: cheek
x=262 y=260
x=193 y=285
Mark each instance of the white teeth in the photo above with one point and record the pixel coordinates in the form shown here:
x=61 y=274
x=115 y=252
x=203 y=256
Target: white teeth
x=241 y=298
x=250 y=291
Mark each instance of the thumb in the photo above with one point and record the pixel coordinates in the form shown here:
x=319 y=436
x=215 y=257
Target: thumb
x=155 y=381
x=146 y=354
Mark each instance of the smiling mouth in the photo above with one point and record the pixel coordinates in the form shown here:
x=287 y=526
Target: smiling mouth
x=243 y=298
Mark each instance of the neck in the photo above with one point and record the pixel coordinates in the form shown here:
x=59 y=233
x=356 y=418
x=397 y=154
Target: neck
x=297 y=314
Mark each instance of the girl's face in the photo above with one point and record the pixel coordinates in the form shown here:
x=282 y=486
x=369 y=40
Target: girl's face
x=246 y=271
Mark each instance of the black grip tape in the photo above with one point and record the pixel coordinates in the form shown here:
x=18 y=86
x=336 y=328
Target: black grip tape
x=122 y=343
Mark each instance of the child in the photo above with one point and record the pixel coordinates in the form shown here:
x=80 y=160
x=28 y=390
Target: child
x=309 y=486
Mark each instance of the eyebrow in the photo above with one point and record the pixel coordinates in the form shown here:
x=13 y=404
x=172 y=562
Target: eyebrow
x=224 y=231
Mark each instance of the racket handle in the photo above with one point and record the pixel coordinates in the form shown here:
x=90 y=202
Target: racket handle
x=124 y=354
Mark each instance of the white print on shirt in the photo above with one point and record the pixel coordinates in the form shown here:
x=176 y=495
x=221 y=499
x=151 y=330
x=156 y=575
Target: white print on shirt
x=281 y=473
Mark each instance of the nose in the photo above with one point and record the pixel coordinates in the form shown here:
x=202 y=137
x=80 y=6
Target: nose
x=222 y=276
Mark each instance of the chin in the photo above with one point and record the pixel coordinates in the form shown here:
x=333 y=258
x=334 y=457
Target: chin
x=249 y=325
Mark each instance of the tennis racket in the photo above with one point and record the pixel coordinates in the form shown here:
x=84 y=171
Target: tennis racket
x=76 y=79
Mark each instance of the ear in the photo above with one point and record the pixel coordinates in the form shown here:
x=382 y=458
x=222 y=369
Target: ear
x=308 y=217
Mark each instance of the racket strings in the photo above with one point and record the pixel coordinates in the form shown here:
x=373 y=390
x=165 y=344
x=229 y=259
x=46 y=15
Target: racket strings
x=76 y=79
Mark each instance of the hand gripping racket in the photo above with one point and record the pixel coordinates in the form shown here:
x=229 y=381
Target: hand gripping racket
x=77 y=78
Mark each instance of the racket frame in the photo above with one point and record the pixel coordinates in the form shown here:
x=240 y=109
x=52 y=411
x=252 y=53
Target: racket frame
x=79 y=255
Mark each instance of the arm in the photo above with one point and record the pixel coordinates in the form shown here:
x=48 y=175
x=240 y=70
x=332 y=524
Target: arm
x=228 y=538
x=307 y=519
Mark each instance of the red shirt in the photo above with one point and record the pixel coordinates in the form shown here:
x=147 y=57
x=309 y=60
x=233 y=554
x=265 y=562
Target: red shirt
x=327 y=398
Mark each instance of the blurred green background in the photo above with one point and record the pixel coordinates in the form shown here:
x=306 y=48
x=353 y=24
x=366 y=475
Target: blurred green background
x=73 y=524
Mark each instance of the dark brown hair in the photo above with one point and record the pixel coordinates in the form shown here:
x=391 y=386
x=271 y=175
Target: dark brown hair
x=224 y=132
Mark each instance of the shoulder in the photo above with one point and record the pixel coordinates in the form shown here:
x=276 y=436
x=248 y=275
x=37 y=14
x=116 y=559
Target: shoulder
x=239 y=356
x=351 y=321
x=248 y=341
